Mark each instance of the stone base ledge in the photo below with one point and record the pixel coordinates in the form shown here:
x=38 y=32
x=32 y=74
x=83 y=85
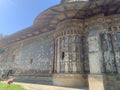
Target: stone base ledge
x=104 y=82
x=96 y=82
x=33 y=79
x=70 y=80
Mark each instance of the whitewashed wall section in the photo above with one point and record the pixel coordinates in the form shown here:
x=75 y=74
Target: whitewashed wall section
x=94 y=51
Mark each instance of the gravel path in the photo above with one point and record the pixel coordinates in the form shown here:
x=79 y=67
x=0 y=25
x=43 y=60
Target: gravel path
x=44 y=87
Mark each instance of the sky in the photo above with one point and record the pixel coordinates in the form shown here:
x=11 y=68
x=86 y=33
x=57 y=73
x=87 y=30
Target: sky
x=16 y=15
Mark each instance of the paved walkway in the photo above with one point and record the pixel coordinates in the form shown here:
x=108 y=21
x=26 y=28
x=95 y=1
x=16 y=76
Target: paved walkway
x=44 y=87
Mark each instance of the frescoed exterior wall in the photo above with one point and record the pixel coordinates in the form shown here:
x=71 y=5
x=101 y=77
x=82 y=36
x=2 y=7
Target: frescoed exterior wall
x=32 y=56
x=75 y=43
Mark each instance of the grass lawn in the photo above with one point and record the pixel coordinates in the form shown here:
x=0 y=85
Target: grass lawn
x=4 y=86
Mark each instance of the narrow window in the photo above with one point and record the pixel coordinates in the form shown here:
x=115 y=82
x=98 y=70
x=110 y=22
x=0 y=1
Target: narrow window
x=31 y=60
x=63 y=55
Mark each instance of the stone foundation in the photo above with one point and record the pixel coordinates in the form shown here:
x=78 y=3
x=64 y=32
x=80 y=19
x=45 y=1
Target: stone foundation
x=104 y=82
x=70 y=80
x=37 y=79
x=96 y=82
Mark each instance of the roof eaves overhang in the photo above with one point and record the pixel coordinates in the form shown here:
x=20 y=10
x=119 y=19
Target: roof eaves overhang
x=49 y=19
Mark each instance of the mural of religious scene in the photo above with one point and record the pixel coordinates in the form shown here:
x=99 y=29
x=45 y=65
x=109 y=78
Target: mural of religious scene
x=35 y=57
x=109 y=53
x=85 y=54
x=69 y=52
x=2 y=58
x=9 y=58
x=116 y=40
